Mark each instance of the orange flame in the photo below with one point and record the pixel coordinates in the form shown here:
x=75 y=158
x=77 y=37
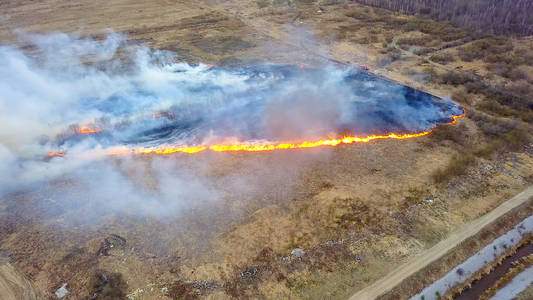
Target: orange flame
x=56 y=154
x=167 y=114
x=256 y=147
x=87 y=130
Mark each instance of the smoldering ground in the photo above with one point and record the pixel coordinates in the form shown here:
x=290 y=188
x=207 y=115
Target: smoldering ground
x=136 y=97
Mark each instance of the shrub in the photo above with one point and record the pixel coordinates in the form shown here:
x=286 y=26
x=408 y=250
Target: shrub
x=504 y=135
x=456 y=134
x=516 y=138
x=475 y=87
x=405 y=47
x=393 y=55
x=519 y=74
x=110 y=286
x=363 y=40
x=488 y=149
x=430 y=74
x=356 y=14
x=490 y=49
x=263 y=3
x=455 y=78
x=422 y=51
x=519 y=86
x=492 y=126
x=462 y=97
x=415 y=41
x=493 y=107
x=442 y=58
x=457 y=166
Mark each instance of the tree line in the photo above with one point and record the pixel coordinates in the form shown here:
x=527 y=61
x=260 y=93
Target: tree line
x=494 y=16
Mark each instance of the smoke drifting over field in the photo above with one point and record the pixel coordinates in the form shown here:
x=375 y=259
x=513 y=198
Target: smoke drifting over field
x=83 y=98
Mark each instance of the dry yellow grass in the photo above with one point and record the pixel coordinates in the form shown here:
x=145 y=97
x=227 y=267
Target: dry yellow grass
x=361 y=193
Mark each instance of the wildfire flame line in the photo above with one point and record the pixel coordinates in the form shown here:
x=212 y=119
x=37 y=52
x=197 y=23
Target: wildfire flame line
x=58 y=154
x=87 y=130
x=258 y=147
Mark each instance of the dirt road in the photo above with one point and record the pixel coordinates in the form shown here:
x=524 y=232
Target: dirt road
x=420 y=261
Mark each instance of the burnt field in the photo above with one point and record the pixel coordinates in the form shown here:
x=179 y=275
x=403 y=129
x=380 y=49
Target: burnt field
x=142 y=100
x=160 y=160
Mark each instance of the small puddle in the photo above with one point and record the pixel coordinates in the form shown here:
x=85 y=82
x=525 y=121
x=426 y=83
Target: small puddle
x=481 y=285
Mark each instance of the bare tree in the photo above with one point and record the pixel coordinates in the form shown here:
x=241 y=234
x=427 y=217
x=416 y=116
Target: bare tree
x=495 y=16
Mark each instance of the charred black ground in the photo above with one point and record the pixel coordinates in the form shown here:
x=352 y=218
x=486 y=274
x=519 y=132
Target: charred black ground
x=267 y=102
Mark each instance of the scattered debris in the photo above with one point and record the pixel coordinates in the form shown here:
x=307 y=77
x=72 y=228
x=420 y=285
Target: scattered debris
x=182 y=290
x=429 y=199
x=297 y=253
x=108 y=286
x=204 y=285
x=62 y=291
x=249 y=273
x=332 y=243
x=113 y=241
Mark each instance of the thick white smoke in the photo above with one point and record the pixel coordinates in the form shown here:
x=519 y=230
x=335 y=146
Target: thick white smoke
x=142 y=98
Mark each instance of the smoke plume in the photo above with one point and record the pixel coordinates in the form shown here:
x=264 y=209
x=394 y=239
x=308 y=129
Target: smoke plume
x=83 y=98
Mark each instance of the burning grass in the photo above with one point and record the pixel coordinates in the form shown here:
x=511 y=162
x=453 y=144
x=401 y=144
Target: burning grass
x=259 y=108
x=374 y=178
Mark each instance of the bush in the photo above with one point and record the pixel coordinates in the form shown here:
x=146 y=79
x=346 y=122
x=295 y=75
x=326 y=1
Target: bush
x=442 y=58
x=415 y=41
x=356 y=14
x=500 y=68
x=462 y=97
x=493 y=107
x=490 y=49
x=455 y=78
x=492 y=126
x=430 y=74
x=488 y=149
x=393 y=55
x=363 y=40
x=503 y=135
x=344 y=31
x=110 y=286
x=516 y=139
x=475 y=87
x=521 y=87
x=263 y=3
x=457 y=166
x=422 y=51
x=456 y=134
x=519 y=74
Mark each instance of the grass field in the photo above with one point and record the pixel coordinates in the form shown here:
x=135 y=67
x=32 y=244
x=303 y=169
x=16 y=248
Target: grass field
x=357 y=211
